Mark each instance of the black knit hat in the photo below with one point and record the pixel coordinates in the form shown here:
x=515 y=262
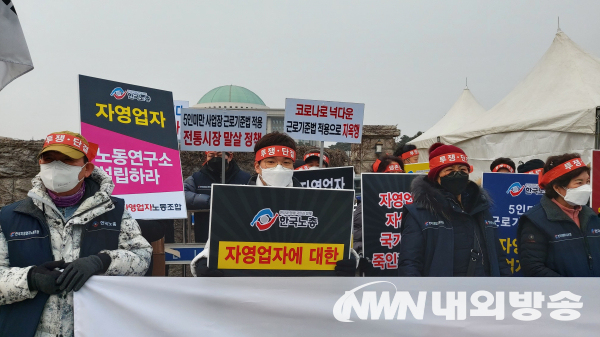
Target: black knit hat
x=533 y=164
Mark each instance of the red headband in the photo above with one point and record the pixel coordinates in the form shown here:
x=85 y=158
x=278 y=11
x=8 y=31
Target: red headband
x=409 y=154
x=393 y=167
x=376 y=165
x=303 y=167
x=536 y=171
x=508 y=167
x=275 y=151
x=560 y=170
x=454 y=158
x=73 y=142
x=318 y=155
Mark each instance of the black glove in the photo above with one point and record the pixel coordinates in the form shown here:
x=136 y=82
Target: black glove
x=79 y=271
x=346 y=267
x=202 y=270
x=43 y=277
x=364 y=265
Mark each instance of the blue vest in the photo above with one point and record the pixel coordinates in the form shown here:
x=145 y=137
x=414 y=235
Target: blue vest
x=28 y=237
x=572 y=251
x=438 y=232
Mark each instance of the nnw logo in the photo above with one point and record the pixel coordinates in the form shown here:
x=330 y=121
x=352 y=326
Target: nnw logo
x=371 y=306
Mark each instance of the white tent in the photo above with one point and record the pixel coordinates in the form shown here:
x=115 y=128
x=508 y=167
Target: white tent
x=466 y=108
x=552 y=111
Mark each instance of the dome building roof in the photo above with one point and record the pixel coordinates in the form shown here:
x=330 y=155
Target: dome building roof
x=230 y=97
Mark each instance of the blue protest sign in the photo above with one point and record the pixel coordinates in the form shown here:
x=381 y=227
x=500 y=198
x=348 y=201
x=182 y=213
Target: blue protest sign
x=512 y=194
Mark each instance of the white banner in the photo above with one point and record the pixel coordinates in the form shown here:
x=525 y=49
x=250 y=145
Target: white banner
x=221 y=130
x=324 y=120
x=153 y=206
x=177 y=106
x=336 y=306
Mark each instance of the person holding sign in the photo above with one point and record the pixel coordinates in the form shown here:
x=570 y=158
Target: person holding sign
x=275 y=154
x=449 y=230
x=561 y=235
x=197 y=187
x=408 y=153
x=68 y=229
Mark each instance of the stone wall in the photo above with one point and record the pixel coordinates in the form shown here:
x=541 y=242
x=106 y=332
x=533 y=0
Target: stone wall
x=363 y=155
x=18 y=165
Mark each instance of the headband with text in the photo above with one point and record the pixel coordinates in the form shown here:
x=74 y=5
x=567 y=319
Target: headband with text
x=536 y=171
x=508 y=167
x=275 y=151
x=409 y=154
x=560 y=170
x=449 y=158
x=73 y=142
x=318 y=155
x=393 y=167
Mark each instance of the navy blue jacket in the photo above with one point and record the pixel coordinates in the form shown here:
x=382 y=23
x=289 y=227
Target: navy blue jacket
x=551 y=244
x=438 y=235
x=197 y=194
x=28 y=238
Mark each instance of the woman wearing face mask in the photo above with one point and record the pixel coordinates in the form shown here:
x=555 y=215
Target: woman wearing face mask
x=448 y=230
x=561 y=235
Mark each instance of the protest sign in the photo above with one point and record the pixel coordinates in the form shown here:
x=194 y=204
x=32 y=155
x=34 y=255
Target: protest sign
x=324 y=120
x=383 y=198
x=136 y=135
x=595 y=181
x=221 y=130
x=177 y=106
x=416 y=168
x=337 y=306
x=271 y=231
x=335 y=177
x=513 y=194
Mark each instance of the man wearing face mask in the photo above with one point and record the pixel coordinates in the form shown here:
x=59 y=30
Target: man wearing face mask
x=68 y=229
x=561 y=235
x=275 y=154
x=449 y=230
x=197 y=188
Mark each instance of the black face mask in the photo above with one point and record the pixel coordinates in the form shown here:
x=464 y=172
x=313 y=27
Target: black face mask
x=456 y=182
x=215 y=164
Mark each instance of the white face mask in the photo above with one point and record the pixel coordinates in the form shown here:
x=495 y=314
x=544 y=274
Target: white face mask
x=60 y=177
x=578 y=196
x=277 y=176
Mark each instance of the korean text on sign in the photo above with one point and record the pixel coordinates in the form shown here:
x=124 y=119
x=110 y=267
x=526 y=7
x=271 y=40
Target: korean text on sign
x=132 y=166
x=395 y=202
x=221 y=130
x=126 y=115
x=323 y=120
x=279 y=255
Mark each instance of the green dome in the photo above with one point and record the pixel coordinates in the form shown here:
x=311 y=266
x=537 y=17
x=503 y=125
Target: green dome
x=231 y=93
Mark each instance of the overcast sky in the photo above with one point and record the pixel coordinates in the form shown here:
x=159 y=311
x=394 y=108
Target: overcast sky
x=406 y=60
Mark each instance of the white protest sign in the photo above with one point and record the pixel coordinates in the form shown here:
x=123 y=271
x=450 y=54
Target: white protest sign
x=324 y=120
x=177 y=106
x=221 y=130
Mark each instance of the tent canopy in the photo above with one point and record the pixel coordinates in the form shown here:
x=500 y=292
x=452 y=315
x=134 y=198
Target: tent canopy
x=560 y=94
x=466 y=108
